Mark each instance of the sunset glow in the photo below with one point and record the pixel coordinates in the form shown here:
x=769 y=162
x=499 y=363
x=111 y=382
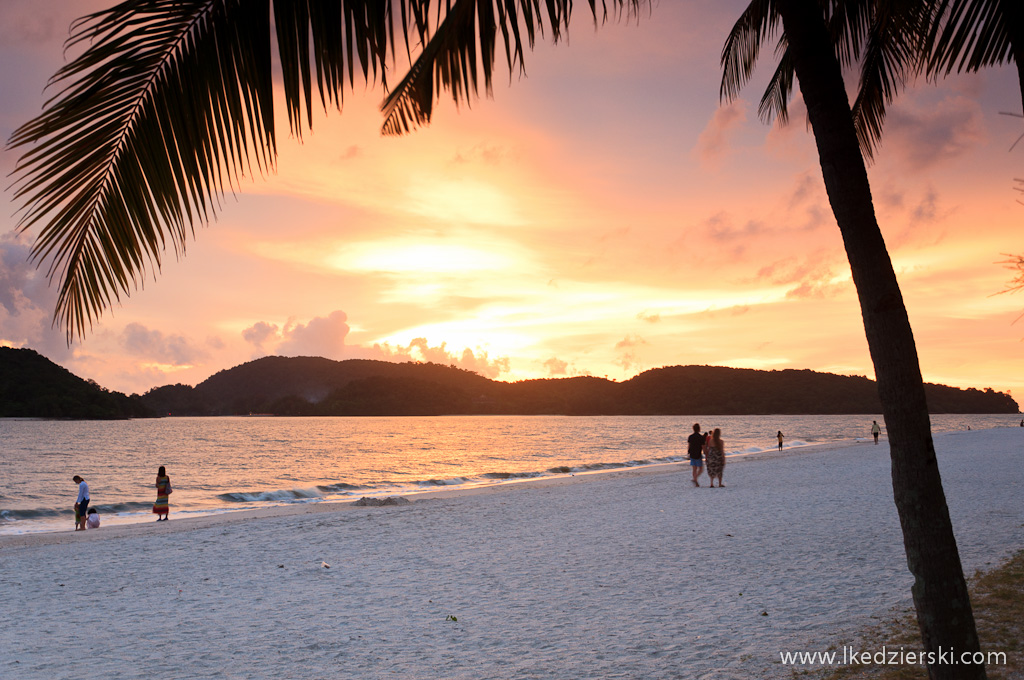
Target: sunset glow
x=601 y=216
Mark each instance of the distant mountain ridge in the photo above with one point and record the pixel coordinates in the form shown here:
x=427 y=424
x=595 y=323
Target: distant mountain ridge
x=317 y=386
x=33 y=386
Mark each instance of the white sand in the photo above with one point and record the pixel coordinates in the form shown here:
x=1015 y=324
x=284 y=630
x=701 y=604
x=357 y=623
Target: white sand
x=629 y=574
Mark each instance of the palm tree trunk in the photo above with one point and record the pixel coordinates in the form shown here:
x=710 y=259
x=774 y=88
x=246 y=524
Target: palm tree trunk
x=940 y=591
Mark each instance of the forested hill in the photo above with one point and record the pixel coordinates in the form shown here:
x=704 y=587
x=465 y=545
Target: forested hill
x=32 y=386
x=316 y=386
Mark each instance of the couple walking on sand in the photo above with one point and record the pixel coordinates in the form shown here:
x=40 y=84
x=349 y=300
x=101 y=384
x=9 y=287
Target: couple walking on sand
x=707 y=446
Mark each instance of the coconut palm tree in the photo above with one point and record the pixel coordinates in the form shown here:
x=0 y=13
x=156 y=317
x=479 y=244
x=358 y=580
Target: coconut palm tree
x=813 y=45
x=171 y=102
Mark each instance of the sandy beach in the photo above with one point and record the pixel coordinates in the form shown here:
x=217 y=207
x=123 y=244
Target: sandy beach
x=624 y=574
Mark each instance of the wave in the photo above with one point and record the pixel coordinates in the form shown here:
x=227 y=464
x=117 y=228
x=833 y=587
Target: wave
x=270 y=496
x=9 y=515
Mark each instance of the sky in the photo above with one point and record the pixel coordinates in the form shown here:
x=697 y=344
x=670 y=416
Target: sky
x=603 y=214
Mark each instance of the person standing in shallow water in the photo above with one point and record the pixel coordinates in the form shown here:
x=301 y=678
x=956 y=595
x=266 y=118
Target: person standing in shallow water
x=875 y=431
x=780 y=436
x=695 y=444
x=163 y=490
x=716 y=458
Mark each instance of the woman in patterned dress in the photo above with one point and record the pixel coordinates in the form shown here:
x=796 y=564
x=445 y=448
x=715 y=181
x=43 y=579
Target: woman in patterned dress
x=715 y=458
x=163 y=489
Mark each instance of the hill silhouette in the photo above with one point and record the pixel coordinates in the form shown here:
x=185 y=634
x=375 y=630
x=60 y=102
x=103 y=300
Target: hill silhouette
x=32 y=386
x=318 y=386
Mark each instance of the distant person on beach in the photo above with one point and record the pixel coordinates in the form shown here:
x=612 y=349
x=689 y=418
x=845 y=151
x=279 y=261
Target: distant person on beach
x=92 y=520
x=695 y=444
x=81 y=503
x=780 y=436
x=163 y=490
x=716 y=458
x=875 y=431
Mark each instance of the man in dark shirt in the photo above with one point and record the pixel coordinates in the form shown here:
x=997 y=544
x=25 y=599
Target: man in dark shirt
x=696 y=444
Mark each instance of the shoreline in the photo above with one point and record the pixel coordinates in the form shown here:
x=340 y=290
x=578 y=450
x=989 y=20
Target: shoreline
x=205 y=519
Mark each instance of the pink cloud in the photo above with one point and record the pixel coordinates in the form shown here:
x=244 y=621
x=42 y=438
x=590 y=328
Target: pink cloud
x=173 y=349
x=925 y=137
x=260 y=332
x=714 y=141
x=420 y=350
x=325 y=336
x=321 y=337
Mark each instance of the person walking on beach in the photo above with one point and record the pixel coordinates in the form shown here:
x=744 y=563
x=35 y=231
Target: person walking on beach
x=163 y=490
x=81 y=503
x=696 y=443
x=875 y=431
x=716 y=458
x=779 y=435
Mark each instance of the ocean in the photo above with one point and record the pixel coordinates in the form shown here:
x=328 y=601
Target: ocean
x=236 y=463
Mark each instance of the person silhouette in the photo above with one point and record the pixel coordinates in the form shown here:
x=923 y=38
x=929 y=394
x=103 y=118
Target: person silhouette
x=696 y=443
x=81 y=502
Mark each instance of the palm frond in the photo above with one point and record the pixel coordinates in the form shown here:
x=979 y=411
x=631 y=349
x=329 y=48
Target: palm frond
x=756 y=25
x=454 y=59
x=775 y=101
x=165 y=107
x=336 y=37
x=461 y=52
x=973 y=34
x=891 y=55
x=169 y=104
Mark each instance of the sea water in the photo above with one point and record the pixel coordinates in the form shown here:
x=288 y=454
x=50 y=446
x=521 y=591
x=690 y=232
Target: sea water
x=235 y=463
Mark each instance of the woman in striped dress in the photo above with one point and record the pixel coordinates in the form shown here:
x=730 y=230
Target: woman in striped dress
x=163 y=490
x=715 y=458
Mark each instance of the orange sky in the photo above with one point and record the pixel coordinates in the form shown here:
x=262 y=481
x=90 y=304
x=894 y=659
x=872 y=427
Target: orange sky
x=603 y=215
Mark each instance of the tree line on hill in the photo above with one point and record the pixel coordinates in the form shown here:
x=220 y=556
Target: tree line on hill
x=305 y=386
x=33 y=386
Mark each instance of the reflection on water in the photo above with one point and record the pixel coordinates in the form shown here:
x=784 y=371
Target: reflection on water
x=231 y=463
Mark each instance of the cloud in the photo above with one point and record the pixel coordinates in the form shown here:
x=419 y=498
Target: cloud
x=926 y=137
x=260 y=332
x=174 y=349
x=27 y=22
x=810 y=278
x=556 y=366
x=809 y=187
x=630 y=341
x=324 y=336
x=26 y=301
x=321 y=337
x=927 y=210
x=488 y=154
x=420 y=350
x=714 y=140
x=649 y=317
x=627 y=355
